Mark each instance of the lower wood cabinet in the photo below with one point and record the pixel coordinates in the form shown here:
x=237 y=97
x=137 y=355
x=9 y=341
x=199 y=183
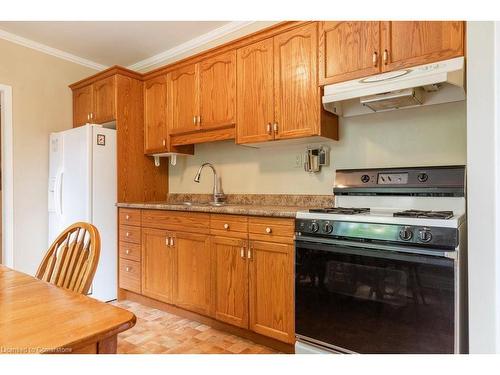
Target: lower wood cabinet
x=272 y=289
x=157 y=264
x=192 y=272
x=231 y=280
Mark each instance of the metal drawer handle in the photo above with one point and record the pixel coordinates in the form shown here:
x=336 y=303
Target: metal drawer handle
x=167 y=241
x=242 y=252
x=127 y=234
x=249 y=253
x=127 y=269
x=127 y=251
x=171 y=241
x=226 y=226
x=268 y=230
x=127 y=217
x=268 y=128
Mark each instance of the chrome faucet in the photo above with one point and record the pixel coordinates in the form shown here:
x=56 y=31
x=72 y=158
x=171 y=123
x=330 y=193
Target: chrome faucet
x=219 y=196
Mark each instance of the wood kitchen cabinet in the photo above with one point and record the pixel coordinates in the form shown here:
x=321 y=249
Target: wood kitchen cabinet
x=192 y=272
x=157 y=264
x=183 y=84
x=231 y=280
x=348 y=50
x=272 y=289
x=95 y=103
x=255 y=99
x=278 y=83
x=156 y=111
x=411 y=43
x=355 y=49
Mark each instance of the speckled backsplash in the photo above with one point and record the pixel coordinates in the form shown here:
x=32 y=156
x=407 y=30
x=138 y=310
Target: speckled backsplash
x=259 y=199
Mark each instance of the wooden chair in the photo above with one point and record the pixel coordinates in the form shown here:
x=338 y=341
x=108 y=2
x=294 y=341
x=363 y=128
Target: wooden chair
x=71 y=260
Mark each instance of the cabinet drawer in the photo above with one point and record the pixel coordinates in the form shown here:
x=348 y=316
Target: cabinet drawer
x=130 y=251
x=229 y=225
x=130 y=216
x=130 y=275
x=174 y=220
x=271 y=229
x=130 y=234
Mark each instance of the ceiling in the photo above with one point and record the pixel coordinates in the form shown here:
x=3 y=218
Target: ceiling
x=112 y=42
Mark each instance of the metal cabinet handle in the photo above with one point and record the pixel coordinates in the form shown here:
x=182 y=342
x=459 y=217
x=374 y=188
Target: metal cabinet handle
x=275 y=128
x=226 y=226
x=167 y=241
x=127 y=217
x=194 y=120
x=268 y=128
x=386 y=56
x=249 y=253
x=88 y=116
x=164 y=143
x=199 y=120
x=242 y=254
x=268 y=230
x=171 y=241
x=127 y=234
x=127 y=269
x=375 y=58
x=127 y=251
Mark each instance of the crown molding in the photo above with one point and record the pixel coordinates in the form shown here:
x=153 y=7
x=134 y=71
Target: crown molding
x=49 y=50
x=190 y=45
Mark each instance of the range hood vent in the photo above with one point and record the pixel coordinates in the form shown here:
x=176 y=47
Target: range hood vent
x=441 y=82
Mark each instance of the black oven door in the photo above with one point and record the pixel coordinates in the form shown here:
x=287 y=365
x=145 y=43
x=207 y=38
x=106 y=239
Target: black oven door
x=369 y=300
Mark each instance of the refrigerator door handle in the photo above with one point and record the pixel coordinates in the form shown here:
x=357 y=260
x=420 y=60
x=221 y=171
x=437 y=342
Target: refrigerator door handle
x=58 y=193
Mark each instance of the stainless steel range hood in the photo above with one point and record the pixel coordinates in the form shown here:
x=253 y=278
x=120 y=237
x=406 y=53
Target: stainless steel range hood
x=440 y=82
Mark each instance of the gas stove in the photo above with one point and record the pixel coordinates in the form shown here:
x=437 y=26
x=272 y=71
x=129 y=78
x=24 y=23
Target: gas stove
x=391 y=251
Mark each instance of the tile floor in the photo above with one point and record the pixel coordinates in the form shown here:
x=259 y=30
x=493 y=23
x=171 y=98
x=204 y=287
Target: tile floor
x=157 y=331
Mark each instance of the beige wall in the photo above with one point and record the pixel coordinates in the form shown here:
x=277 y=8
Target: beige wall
x=41 y=104
x=433 y=135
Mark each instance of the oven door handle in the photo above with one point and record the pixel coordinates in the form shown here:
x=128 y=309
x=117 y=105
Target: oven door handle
x=411 y=250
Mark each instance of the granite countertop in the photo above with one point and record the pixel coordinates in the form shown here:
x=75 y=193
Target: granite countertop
x=248 y=204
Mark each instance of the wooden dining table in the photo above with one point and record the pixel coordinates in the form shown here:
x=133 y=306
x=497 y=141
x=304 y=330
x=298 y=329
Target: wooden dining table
x=38 y=317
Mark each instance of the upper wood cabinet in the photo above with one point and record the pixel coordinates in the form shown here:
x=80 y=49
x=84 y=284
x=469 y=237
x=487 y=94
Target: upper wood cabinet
x=157 y=264
x=192 y=272
x=255 y=97
x=82 y=105
x=278 y=85
x=231 y=280
x=184 y=98
x=355 y=49
x=156 y=110
x=271 y=290
x=348 y=50
x=410 y=43
x=297 y=98
x=95 y=103
x=217 y=91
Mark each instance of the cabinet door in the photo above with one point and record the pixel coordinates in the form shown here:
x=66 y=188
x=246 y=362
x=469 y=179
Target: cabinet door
x=218 y=91
x=183 y=84
x=297 y=95
x=348 y=50
x=255 y=97
x=155 y=114
x=231 y=280
x=82 y=105
x=271 y=290
x=157 y=264
x=192 y=272
x=410 y=43
x=104 y=100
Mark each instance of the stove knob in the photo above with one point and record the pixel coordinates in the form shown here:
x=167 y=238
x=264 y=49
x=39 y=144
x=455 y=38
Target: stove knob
x=314 y=227
x=425 y=235
x=365 y=178
x=405 y=234
x=422 y=177
x=327 y=228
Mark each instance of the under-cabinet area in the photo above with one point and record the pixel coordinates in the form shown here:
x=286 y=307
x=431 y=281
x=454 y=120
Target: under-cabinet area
x=235 y=269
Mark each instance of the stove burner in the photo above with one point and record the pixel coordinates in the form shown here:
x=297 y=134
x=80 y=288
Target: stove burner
x=425 y=214
x=341 y=210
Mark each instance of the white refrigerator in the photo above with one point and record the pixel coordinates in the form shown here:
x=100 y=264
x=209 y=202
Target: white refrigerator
x=82 y=187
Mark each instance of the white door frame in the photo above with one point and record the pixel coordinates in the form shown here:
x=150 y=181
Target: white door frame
x=7 y=176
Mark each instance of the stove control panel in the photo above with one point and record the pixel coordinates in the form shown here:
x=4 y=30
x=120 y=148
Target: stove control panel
x=404 y=234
